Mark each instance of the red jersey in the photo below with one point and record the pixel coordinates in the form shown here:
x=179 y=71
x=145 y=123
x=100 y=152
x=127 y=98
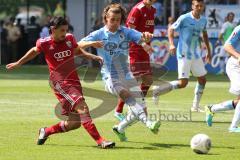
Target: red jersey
x=143 y=18
x=59 y=57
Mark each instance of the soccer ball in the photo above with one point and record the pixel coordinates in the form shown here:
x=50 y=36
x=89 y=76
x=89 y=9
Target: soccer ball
x=201 y=143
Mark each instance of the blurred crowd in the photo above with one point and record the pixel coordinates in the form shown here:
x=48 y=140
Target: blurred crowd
x=17 y=38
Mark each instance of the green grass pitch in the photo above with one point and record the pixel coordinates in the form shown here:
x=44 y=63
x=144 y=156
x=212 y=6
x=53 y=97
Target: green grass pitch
x=27 y=103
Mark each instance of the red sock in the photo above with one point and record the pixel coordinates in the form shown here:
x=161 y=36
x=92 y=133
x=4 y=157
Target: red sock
x=92 y=130
x=144 y=89
x=57 y=128
x=120 y=105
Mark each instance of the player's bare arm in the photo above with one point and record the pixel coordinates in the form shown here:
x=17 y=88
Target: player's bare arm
x=95 y=44
x=172 y=48
x=87 y=55
x=206 y=41
x=32 y=53
x=229 y=48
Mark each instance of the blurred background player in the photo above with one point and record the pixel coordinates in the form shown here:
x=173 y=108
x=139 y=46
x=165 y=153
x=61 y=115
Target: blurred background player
x=232 y=46
x=225 y=32
x=140 y=18
x=190 y=26
x=112 y=42
x=59 y=49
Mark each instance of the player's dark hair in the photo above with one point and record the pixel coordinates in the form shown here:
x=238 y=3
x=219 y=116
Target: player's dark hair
x=115 y=8
x=230 y=14
x=56 y=22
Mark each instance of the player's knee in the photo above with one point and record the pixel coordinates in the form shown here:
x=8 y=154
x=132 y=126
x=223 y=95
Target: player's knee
x=71 y=125
x=82 y=108
x=76 y=125
x=236 y=101
x=148 y=82
x=203 y=81
x=183 y=84
x=124 y=94
x=145 y=110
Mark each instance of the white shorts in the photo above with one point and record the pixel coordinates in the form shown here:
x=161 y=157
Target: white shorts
x=196 y=66
x=233 y=72
x=115 y=86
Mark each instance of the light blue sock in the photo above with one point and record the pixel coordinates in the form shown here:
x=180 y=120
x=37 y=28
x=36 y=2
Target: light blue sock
x=197 y=95
x=224 y=106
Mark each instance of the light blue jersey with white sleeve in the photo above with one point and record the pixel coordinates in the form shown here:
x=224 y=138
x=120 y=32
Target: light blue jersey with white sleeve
x=234 y=39
x=190 y=29
x=115 y=51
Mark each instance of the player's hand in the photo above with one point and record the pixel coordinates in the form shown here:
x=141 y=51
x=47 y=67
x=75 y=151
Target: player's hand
x=172 y=49
x=12 y=66
x=147 y=48
x=147 y=36
x=208 y=58
x=99 y=59
x=98 y=44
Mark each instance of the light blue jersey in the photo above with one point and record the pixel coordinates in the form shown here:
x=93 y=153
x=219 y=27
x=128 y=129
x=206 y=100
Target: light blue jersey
x=190 y=30
x=115 y=51
x=234 y=39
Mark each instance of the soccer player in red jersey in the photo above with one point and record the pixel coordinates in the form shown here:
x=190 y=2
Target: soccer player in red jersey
x=141 y=18
x=59 y=50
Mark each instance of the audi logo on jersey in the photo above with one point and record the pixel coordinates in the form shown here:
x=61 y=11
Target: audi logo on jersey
x=60 y=55
x=150 y=22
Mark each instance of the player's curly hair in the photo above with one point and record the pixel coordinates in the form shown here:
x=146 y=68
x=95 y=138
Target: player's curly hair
x=56 y=22
x=115 y=8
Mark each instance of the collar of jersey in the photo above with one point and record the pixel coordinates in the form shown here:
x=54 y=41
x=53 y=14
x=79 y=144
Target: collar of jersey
x=109 y=32
x=56 y=41
x=194 y=17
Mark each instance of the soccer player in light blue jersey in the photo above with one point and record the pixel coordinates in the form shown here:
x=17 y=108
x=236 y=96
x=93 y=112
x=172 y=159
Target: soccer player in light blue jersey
x=190 y=27
x=232 y=46
x=112 y=43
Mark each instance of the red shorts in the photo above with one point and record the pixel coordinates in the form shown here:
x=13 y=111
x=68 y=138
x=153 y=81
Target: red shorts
x=69 y=95
x=140 y=63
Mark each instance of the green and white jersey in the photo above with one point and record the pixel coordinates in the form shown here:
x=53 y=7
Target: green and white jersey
x=227 y=29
